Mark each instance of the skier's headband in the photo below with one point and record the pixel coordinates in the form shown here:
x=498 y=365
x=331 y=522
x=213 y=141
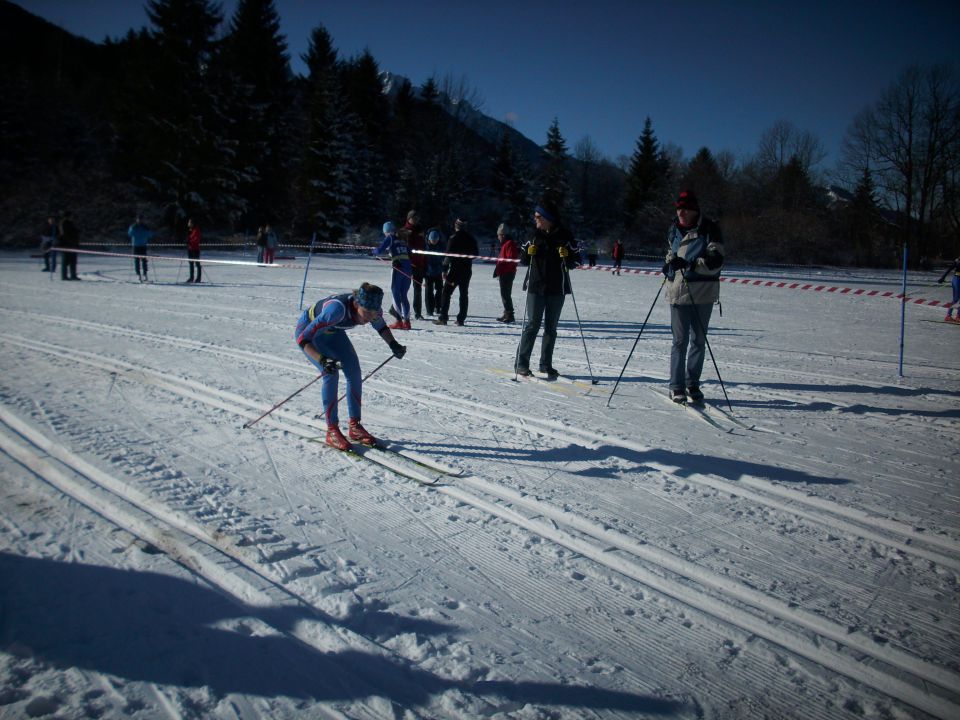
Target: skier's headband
x=370 y=297
x=546 y=214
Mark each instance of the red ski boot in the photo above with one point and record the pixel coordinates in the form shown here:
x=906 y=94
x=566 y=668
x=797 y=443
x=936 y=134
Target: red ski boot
x=335 y=438
x=359 y=434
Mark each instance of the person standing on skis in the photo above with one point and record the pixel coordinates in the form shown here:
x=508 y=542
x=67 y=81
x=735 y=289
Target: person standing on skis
x=394 y=246
x=321 y=333
x=692 y=270
x=550 y=255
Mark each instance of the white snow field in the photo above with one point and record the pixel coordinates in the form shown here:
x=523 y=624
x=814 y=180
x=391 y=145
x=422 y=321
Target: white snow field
x=797 y=557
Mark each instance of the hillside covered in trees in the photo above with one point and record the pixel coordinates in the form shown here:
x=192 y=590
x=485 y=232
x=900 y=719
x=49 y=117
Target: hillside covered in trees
x=201 y=116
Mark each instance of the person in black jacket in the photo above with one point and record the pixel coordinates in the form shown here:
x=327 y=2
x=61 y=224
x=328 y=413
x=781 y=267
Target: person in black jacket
x=549 y=255
x=69 y=239
x=457 y=272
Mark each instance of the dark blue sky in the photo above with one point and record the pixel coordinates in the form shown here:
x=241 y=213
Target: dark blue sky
x=713 y=74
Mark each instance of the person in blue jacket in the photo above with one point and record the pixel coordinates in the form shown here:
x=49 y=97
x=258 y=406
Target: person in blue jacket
x=321 y=333
x=396 y=247
x=955 y=284
x=140 y=235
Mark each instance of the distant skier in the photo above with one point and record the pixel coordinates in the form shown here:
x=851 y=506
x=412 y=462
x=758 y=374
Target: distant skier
x=321 y=335
x=394 y=246
x=692 y=270
x=140 y=235
x=955 y=284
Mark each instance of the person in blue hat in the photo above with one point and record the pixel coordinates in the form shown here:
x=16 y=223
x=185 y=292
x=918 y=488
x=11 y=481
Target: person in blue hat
x=549 y=255
x=396 y=247
x=321 y=334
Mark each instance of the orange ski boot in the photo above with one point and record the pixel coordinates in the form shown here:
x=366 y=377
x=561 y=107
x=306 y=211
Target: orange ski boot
x=335 y=438
x=359 y=434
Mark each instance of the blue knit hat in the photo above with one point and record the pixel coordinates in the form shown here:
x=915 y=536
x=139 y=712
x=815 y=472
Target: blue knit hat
x=389 y=228
x=370 y=297
x=548 y=209
x=433 y=236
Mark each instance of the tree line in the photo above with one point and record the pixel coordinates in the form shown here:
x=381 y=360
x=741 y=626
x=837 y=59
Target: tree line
x=201 y=116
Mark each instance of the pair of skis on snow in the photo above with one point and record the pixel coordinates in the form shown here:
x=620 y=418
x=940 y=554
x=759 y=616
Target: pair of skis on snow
x=413 y=466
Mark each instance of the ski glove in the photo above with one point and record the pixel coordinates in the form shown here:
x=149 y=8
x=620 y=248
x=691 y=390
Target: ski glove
x=398 y=350
x=679 y=263
x=531 y=250
x=713 y=259
x=564 y=252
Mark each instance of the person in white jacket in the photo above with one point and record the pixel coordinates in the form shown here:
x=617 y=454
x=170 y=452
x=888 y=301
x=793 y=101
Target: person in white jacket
x=692 y=269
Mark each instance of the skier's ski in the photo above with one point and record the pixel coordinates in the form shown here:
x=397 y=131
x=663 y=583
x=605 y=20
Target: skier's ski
x=700 y=410
x=567 y=388
x=943 y=322
x=426 y=462
x=401 y=465
x=695 y=409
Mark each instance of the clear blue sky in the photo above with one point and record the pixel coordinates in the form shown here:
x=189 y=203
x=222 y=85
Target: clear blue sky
x=714 y=74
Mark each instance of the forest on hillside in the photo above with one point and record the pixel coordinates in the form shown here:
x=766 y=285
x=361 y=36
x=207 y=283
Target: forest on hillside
x=201 y=116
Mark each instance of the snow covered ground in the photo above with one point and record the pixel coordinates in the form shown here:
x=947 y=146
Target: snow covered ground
x=796 y=558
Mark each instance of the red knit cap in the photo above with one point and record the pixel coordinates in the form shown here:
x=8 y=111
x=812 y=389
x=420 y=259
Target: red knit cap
x=688 y=201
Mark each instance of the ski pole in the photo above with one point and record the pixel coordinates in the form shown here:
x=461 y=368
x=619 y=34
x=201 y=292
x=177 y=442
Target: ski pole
x=566 y=270
x=412 y=278
x=649 y=312
x=290 y=397
x=369 y=374
x=306 y=270
x=696 y=314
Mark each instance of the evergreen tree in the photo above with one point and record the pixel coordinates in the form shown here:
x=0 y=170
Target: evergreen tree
x=363 y=92
x=325 y=184
x=863 y=220
x=704 y=177
x=553 y=177
x=508 y=183
x=256 y=85
x=646 y=175
x=181 y=156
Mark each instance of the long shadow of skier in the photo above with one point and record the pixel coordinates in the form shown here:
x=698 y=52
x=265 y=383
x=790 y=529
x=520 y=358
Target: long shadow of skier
x=154 y=628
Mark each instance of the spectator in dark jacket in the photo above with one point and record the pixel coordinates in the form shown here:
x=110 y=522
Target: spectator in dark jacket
x=550 y=255
x=193 y=249
x=69 y=239
x=458 y=268
x=434 y=271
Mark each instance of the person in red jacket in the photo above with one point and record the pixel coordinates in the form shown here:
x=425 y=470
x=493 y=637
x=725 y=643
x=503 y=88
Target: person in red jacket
x=193 y=248
x=617 y=256
x=412 y=233
x=506 y=270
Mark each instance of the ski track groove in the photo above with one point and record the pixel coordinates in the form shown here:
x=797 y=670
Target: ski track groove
x=696 y=599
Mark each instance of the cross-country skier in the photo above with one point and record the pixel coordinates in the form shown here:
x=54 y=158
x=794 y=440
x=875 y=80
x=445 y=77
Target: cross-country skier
x=692 y=269
x=394 y=246
x=955 y=284
x=321 y=335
